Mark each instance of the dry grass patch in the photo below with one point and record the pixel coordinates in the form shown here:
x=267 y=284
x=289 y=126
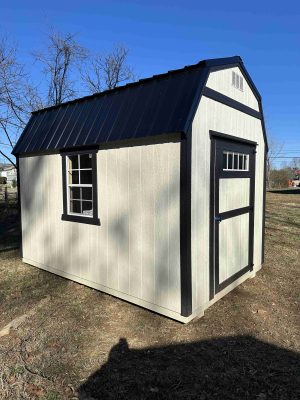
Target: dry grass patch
x=86 y=344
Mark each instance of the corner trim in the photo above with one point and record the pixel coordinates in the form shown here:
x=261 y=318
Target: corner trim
x=264 y=208
x=185 y=226
x=228 y=101
x=19 y=203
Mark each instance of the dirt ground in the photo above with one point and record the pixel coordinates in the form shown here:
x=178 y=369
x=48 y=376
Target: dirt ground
x=68 y=341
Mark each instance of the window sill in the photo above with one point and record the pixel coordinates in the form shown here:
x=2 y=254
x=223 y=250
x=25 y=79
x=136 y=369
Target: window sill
x=80 y=219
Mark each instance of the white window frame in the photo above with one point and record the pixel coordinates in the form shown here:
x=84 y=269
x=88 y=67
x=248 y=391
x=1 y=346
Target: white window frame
x=245 y=162
x=78 y=185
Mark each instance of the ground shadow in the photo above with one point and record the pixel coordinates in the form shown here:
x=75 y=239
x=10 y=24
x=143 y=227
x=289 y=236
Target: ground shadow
x=10 y=231
x=240 y=367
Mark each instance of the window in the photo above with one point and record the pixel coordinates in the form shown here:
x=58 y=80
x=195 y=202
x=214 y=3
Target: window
x=80 y=187
x=237 y=81
x=235 y=161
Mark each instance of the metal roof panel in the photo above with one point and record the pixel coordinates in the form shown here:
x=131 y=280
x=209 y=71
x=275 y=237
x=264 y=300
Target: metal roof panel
x=158 y=105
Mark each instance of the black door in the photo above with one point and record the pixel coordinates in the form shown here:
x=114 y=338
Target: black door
x=232 y=211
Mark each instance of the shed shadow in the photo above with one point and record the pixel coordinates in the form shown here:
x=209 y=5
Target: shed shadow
x=238 y=367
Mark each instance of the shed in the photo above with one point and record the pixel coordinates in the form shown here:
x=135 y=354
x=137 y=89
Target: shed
x=153 y=192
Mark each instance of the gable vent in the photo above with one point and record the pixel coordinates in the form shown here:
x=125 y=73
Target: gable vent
x=237 y=81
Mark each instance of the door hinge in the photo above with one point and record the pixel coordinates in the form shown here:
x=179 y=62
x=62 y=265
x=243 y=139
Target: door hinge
x=218 y=218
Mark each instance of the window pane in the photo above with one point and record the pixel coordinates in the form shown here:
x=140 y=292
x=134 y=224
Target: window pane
x=75 y=193
x=86 y=177
x=74 y=177
x=87 y=193
x=87 y=208
x=246 y=162
x=224 y=160
x=73 y=162
x=236 y=159
x=241 y=161
x=85 y=161
x=75 y=206
x=229 y=161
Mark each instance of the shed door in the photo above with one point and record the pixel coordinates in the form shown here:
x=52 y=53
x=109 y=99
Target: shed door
x=232 y=211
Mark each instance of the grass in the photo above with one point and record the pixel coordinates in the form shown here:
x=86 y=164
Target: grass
x=81 y=343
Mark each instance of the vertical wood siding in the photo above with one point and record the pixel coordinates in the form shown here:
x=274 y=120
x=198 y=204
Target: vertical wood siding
x=212 y=115
x=135 y=250
x=234 y=245
x=233 y=193
x=221 y=81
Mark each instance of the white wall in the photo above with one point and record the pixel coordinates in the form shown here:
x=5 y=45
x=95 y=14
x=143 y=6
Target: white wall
x=135 y=253
x=221 y=81
x=212 y=115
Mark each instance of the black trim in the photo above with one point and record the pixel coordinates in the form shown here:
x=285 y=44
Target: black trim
x=78 y=218
x=235 y=174
x=228 y=101
x=186 y=203
x=19 y=204
x=233 y=278
x=211 y=218
x=196 y=101
x=233 y=138
x=185 y=226
x=264 y=208
x=219 y=142
x=64 y=185
x=252 y=167
x=235 y=212
x=79 y=150
x=116 y=144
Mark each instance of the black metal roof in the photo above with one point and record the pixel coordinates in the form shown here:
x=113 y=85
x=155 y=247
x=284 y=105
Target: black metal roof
x=158 y=105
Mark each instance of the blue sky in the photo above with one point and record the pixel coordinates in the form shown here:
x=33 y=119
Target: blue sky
x=163 y=35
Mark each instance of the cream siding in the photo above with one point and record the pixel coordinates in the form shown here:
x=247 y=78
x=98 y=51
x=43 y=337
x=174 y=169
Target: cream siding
x=212 y=115
x=233 y=246
x=221 y=81
x=134 y=253
x=233 y=193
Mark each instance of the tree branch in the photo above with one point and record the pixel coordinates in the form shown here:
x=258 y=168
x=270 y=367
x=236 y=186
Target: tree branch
x=4 y=155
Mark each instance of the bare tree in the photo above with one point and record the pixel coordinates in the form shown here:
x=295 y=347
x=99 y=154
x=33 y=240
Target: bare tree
x=62 y=55
x=275 y=149
x=108 y=71
x=17 y=98
x=61 y=60
x=295 y=163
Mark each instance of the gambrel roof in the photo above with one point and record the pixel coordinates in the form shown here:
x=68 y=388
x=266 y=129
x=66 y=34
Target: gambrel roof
x=158 y=105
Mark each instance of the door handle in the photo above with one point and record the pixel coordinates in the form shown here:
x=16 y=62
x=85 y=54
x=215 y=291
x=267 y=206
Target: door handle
x=218 y=218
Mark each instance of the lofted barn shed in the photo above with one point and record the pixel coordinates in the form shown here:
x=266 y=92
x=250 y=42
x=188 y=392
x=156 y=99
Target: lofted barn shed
x=153 y=192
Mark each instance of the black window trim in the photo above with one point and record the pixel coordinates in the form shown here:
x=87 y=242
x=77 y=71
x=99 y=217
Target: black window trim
x=78 y=218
